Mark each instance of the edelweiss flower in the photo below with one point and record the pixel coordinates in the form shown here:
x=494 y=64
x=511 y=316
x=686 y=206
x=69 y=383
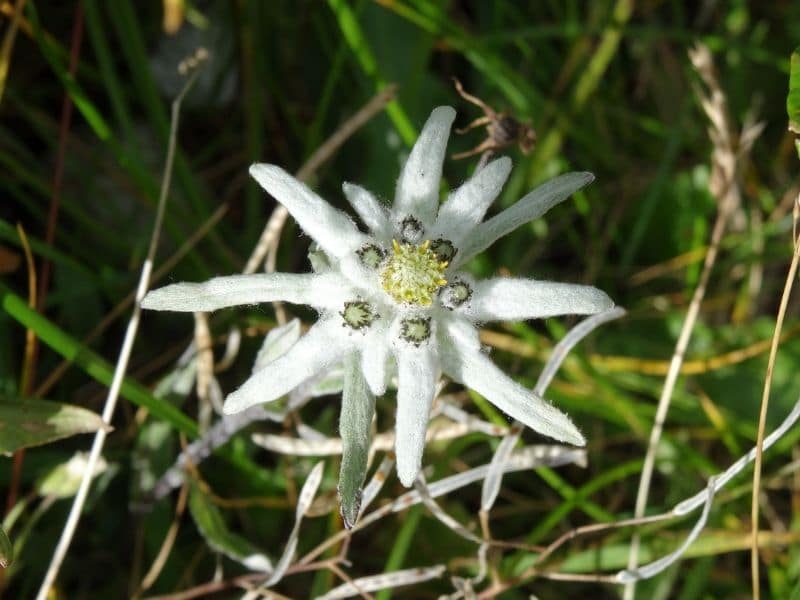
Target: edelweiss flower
x=397 y=296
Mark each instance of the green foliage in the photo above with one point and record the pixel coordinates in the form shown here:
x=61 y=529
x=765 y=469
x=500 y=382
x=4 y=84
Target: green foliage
x=26 y=422
x=608 y=88
x=793 y=98
x=211 y=525
x=6 y=549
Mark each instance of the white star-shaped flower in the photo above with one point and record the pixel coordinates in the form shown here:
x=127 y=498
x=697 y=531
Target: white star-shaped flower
x=396 y=296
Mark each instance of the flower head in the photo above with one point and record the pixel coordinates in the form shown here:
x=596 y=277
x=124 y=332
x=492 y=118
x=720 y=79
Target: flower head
x=396 y=297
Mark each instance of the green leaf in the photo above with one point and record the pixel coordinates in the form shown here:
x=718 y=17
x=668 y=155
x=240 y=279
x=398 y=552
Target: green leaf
x=94 y=366
x=212 y=527
x=6 y=549
x=793 y=99
x=26 y=423
x=64 y=479
x=355 y=423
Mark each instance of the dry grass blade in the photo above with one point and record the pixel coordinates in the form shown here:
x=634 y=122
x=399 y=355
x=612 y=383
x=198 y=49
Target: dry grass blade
x=383 y=442
x=209 y=394
x=375 y=484
x=384 y=581
x=526 y=458
x=657 y=566
x=762 y=417
x=28 y=363
x=307 y=493
x=166 y=547
x=440 y=514
x=30 y=337
x=522 y=460
x=698 y=366
x=725 y=160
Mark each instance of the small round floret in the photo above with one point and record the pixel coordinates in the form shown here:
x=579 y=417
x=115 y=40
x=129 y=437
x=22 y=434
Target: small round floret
x=358 y=314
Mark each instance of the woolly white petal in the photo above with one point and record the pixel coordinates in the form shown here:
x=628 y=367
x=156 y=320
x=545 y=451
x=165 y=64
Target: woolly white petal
x=508 y=299
x=369 y=209
x=417 y=370
x=319 y=349
x=277 y=343
x=464 y=362
x=375 y=358
x=325 y=290
x=358 y=276
x=417 y=191
x=332 y=229
x=465 y=207
x=529 y=207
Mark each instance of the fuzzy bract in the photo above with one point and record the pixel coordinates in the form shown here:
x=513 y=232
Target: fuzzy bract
x=394 y=299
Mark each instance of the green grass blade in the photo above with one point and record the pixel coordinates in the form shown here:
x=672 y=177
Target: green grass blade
x=359 y=46
x=92 y=364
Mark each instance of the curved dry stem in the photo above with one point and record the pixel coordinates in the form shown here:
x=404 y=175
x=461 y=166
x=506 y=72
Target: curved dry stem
x=122 y=363
x=762 y=417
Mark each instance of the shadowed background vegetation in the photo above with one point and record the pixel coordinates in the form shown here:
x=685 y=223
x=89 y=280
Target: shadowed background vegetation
x=607 y=86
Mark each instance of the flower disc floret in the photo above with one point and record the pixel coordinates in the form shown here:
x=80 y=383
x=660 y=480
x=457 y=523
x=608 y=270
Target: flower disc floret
x=358 y=314
x=413 y=274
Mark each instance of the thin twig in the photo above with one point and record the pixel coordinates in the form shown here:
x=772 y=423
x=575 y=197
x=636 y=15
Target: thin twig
x=166 y=547
x=122 y=363
x=347 y=579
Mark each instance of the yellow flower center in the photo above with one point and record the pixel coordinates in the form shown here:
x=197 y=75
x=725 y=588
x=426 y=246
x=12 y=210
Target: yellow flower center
x=413 y=274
